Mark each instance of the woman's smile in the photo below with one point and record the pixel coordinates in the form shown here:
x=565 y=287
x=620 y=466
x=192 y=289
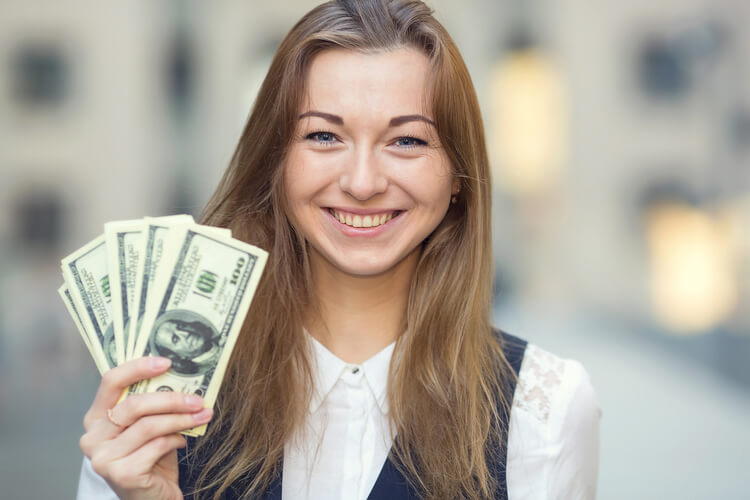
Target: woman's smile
x=354 y=219
x=353 y=222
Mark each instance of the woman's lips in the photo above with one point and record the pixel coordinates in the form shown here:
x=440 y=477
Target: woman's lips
x=363 y=220
x=358 y=224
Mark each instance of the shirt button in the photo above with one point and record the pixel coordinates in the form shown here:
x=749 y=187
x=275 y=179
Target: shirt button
x=355 y=370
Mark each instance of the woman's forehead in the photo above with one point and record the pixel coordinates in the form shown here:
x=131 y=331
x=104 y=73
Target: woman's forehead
x=394 y=81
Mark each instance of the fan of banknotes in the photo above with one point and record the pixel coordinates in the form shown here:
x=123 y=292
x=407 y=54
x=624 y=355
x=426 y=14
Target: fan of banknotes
x=163 y=286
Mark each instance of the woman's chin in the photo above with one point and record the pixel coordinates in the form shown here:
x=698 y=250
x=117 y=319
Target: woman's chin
x=363 y=269
x=368 y=264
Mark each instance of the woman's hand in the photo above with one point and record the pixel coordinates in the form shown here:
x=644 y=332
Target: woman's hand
x=134 y=448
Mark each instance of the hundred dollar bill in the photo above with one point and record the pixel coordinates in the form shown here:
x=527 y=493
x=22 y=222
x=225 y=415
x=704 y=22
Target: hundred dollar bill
x=153 y=242
x=68 y=301
x=201 y=305
x=159 y=240
x=123 y=240
x=87 y=275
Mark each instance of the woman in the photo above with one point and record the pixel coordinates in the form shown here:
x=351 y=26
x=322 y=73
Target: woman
x=367 y=364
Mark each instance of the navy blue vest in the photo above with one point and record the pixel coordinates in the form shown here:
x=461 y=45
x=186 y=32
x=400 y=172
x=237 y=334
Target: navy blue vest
x=391 y=484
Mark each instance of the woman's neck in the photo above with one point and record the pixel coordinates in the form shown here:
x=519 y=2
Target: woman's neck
x=359 y=315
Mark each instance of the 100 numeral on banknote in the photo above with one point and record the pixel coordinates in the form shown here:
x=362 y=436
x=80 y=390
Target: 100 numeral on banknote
x=202 y=304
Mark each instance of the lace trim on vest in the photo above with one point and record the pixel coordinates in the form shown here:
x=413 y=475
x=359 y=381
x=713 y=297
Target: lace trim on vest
x=540 y=377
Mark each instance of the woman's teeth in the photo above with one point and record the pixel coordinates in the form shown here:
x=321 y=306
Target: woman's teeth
x=372 y=220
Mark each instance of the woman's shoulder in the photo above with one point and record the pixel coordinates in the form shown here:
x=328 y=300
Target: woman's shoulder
x=550 y=387
x=554 y=428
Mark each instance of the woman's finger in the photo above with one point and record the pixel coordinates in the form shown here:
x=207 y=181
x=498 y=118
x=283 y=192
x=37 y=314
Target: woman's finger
x=97 y=431
x=125 y=413
x=132 y=470
x=128 y=411
x=117 y=379
x=151 y=427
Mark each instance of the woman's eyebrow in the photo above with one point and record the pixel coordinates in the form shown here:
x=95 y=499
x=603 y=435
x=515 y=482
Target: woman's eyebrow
x=400 y=120
x=395 y=121
x=326 y=116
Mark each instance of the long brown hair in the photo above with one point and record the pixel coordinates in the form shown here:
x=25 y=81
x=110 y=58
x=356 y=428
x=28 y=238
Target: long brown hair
x=447 y=373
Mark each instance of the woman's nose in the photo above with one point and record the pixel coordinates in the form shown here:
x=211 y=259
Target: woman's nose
x=363 y=177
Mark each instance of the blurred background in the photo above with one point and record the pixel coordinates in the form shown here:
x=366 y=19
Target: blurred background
x=620 y=143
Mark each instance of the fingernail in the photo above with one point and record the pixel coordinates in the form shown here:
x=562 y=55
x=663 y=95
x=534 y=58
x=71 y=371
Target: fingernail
x=159 y=363
x=193 y=400
x=203 y=415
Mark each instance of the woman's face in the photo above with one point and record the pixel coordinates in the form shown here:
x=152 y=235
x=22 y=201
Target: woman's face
x=366 y=177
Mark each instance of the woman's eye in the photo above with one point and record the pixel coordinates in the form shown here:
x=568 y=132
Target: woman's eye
x=175 y=338
x=410 y=142
x=322 y=137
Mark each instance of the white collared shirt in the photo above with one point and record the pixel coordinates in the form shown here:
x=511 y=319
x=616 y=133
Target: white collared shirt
x=553 y=442
x=347 y=438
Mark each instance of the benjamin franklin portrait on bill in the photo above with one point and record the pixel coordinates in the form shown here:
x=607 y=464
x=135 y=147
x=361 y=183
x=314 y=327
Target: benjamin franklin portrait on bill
x=189 y=340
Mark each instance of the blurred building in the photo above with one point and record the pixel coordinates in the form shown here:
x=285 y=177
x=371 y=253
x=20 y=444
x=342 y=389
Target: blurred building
x=600 y=116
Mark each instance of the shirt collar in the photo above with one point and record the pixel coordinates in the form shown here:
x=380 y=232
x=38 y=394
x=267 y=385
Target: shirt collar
x=328 y=368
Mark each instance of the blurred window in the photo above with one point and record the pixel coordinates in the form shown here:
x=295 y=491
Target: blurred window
x=662 y=71
x=40 y=75
x=180 y=75
x=740 y=129
x=39 y=216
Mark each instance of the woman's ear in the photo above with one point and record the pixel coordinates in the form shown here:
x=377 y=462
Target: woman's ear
x=455 y=189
